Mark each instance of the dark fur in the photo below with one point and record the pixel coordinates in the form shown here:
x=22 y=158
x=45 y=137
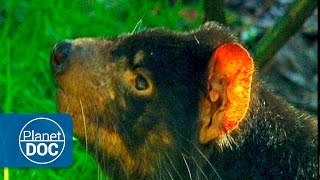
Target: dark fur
x=275 y=140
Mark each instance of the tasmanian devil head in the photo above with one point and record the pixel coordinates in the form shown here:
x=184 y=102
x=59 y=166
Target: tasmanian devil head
x=154 y=103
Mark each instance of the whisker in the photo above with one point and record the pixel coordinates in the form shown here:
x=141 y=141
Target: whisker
x=97 y=140
x=67 y=111
x=185 y=161
x=200 y=152
x=197 y=175
x=207 y=160
x=123 y=167
x=199 y=169
x=65 y=97
x=138 y=24
x=161 y=171
x=173 y=165
x=159 y=164
x=85 y=134
x=168 y=172
x=113 y=168
x=195 y=162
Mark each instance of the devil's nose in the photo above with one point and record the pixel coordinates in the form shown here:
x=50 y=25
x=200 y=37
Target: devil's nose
x=60 y=56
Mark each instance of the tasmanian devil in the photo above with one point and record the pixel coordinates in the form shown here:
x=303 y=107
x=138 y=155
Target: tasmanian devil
x=159 y=104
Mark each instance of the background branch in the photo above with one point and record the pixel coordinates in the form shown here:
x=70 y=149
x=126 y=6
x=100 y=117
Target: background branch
x=281 y=32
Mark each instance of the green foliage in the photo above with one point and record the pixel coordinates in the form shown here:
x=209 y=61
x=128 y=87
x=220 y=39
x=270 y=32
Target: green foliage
x=28 y=31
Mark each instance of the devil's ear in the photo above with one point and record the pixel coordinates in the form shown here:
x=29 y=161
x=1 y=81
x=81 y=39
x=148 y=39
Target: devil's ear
x=227 y=98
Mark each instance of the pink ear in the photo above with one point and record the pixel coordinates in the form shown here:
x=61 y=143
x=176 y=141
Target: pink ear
x=230 y=75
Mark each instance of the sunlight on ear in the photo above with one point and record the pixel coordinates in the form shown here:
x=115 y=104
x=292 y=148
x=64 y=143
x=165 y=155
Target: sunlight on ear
x=238 y=89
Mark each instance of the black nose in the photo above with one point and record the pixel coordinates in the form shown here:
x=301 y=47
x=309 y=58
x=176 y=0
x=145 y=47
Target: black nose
x=60 y=56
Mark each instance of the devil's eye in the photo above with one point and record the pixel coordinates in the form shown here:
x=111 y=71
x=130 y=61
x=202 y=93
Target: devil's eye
x=141 y=83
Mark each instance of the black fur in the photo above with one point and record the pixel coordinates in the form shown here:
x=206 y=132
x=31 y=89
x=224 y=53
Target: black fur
x=274 y=140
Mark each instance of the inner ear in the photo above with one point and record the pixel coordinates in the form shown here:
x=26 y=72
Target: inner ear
x=226 y=101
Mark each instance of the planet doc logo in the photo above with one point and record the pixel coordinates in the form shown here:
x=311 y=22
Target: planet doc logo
x=42 y=140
